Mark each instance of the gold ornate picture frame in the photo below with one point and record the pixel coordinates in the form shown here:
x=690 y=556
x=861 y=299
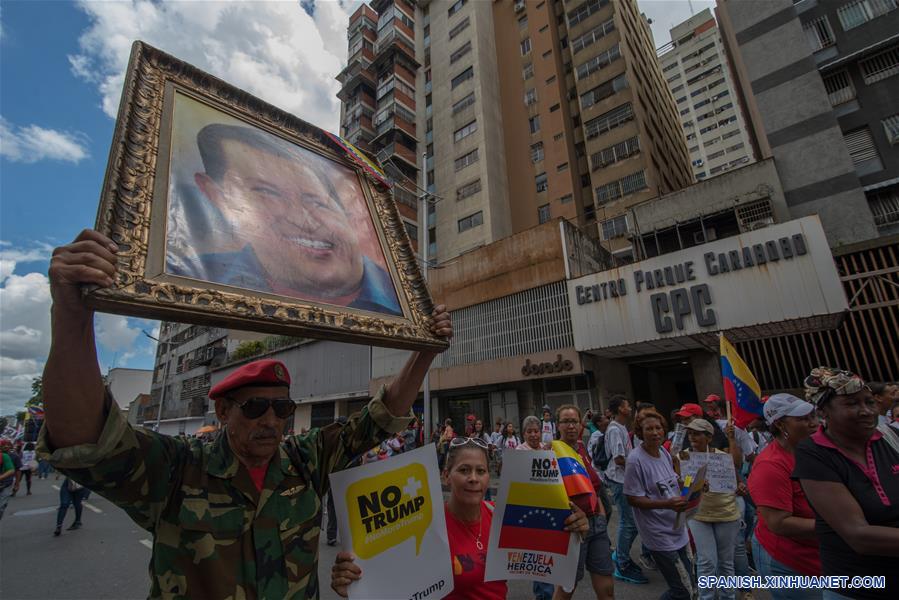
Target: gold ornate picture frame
x=231 y=212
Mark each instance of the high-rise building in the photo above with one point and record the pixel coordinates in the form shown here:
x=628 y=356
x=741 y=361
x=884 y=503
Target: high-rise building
x=695 y=67
x=529 y=110
x=378 y=97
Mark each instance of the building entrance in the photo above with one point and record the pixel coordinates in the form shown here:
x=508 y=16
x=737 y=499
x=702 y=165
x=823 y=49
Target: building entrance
x=668 y=383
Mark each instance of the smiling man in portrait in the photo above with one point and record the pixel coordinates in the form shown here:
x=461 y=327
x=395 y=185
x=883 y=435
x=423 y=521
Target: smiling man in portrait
x=283 y=227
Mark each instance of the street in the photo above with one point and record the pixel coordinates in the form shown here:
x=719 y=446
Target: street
x=108 y=557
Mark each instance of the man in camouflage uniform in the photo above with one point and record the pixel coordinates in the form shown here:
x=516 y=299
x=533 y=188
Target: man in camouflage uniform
x=237 y=518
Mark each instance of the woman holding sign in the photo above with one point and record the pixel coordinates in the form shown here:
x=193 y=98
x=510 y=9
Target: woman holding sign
x=468 y=520
x=716 y=524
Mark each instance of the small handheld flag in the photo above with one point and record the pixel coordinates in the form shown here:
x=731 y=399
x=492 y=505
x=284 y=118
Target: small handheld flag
x=741 y=389
x=534 y=518
x=574 y=473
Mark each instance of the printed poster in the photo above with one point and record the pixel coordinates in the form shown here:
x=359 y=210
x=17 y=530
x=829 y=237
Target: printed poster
x=527 y=537
x=390 y=515
x=721 y=475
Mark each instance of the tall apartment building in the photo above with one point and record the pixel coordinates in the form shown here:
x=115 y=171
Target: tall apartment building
x=378 y=94
x=855 y=46
x=695 y=67
x=533 y=110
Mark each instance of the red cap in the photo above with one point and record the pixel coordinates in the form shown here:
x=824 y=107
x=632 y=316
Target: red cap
x=712 y=398
x=257 y=373
x=689 y=410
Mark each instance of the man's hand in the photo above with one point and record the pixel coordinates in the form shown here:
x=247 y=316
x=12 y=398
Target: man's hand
x=677 y=504
x=90 y=259
x=344 y=572
x=441 y=324
x=729 y=430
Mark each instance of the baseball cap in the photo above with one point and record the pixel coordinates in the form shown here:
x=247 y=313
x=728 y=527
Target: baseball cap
x=785 y=405
x=712 y=398
x=701 y=425
x=258 y=373
x=689 y=410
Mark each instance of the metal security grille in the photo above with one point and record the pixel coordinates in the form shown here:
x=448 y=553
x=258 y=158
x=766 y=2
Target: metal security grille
x=861 y=146
x=531 y=321
x=880 y=66
x=866 y=341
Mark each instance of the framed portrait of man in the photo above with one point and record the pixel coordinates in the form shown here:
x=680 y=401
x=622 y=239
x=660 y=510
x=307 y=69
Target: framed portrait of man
x=228 y=211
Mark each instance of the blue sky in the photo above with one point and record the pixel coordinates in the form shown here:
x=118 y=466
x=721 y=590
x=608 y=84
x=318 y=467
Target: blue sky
x=61 y=71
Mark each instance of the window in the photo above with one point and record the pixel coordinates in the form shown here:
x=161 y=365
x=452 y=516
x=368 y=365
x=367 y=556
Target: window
x=735 y=147
x=590 y=212
x=528 y=71
x=614 y=227
x=534 y=123
x=715 y=155
x=468 y=190
x=880 y=66
x=603 y=91
x=462 y=51
x=558 y=136
x=622 y=187
x=543 y=214
x=537 y=152
x=463 y=103
x=859 y=12
x=523 y=22
x=465 y=131
x=839 y=87
x=616 y=152
x=411 y=229
x=891 y=129
x=566 y=199
x=459 y=28
x=540 y=181
x=471 y=221
x=555 y=107
x=525 y=46
x=609 y=120
x=585 y=10
x=456 y=7
x=884 y=206
x=467 y=159
x=547 y=54
x=669 y=67
x=862 y=151
x=461 y=77
x=562 y=167
x=589 y=38
x=601 y=60
x=530 y=97
x=818 y=33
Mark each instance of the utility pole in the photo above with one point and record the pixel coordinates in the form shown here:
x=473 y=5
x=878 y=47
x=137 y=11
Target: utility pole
x=165 y=378
x=424 y=271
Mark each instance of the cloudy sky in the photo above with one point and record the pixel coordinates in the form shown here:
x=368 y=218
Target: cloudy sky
x=61 y=71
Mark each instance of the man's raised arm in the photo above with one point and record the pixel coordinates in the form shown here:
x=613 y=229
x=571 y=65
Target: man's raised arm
x=74 y=394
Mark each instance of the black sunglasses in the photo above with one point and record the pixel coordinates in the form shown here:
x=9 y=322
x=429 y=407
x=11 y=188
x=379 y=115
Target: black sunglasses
x=253 y=408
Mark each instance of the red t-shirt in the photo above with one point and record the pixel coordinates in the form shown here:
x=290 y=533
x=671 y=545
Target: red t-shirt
x=468 y=561
x=257 y=474
x=770 y=485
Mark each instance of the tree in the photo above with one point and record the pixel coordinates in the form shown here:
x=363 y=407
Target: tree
x=248 y=349
x=37 y=392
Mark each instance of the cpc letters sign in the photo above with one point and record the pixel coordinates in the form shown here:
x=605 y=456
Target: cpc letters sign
x=778 y=273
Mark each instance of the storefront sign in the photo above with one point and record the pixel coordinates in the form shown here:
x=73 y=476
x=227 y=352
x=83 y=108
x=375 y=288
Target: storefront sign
x=560 y=365
x=774 y=274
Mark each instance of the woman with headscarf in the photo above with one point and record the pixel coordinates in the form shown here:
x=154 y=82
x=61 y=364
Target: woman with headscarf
x=849 y=470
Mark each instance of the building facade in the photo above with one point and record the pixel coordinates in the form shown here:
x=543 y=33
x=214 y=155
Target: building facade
x=697 y=72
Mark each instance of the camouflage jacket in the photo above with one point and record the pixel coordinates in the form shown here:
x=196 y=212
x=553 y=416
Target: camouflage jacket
x=215 y=535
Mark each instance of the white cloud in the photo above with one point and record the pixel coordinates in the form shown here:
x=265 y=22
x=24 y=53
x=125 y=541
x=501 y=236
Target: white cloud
x=33 y=143
x=272 y=49
x=114 y=332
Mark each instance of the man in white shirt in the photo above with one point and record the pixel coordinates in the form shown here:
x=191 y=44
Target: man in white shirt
x=618 y=446
x=548 y=426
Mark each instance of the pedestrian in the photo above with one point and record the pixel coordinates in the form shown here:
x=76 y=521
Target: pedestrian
x=784 y=542
x=652 y=488
x=849 y=469
x=596 y=549
x=74 y=494
x=596 y=441
x=468 y=520
x=548 y=427
x=26 y=470
x=7 y=474
x=618 y=447
x=894 y=415
x=410 y=436
x=883 y=397
x=530 y=433
x=236 y=518
x=716 y=525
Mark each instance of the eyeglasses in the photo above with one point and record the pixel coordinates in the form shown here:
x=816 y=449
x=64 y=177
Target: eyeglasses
x=569 y=422
x=461 y=441
x=253 y=408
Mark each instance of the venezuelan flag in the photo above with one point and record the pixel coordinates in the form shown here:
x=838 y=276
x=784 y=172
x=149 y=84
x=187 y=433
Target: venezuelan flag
x=574 y=473
x=359 y=157
x=741 y=389
x=534 y=518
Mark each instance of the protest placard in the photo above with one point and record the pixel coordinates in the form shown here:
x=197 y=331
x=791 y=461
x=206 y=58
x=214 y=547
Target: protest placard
x=692 y=491
x=390 y=515
x=721 y=475
x=527 y=537
x=677 y=442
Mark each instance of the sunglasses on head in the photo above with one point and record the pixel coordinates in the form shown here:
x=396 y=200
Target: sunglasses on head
x=253 y=408
x=461 y=441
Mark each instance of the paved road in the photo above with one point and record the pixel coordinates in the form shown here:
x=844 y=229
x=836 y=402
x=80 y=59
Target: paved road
x=108 y=558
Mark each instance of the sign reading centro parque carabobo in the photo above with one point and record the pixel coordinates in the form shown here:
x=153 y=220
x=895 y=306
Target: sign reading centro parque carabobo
x=778 y=273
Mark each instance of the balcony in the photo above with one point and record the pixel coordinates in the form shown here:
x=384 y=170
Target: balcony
x=399 y=151
x=390 y=41
x=352 y=77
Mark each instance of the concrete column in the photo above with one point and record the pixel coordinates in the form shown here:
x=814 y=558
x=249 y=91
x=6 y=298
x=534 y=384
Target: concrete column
x=707 y=374
x=612 y=377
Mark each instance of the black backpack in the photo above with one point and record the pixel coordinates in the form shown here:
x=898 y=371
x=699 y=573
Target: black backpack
x=600 y=457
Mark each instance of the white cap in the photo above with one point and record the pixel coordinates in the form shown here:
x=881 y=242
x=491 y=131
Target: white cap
x=785 y=405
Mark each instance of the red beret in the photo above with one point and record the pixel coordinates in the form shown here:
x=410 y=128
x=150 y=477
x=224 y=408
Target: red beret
x=257 y=373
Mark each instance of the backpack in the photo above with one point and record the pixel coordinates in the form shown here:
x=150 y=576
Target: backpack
x=600 y=457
